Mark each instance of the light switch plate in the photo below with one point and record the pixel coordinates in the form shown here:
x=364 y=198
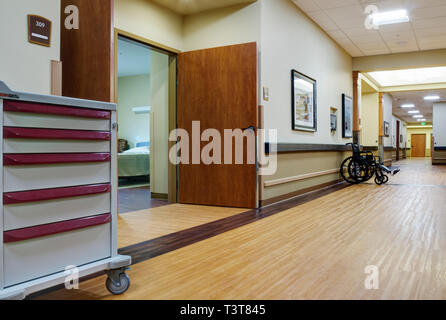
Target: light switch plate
x=265 y=93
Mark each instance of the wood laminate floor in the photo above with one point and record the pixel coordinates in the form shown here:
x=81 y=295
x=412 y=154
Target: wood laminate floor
x=139 y=226
x=317 y=250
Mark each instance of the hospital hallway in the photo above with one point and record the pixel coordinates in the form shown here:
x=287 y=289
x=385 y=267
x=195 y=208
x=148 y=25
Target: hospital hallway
x=315 y=246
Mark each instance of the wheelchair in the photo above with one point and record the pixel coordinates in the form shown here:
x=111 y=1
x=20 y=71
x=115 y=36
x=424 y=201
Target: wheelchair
x=362 y=166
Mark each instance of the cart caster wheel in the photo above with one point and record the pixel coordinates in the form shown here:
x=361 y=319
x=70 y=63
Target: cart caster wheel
x=118 y=288
x=379 y=181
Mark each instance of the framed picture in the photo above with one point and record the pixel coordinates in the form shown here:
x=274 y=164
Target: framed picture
x=347 y=116
x=333 y=122
x=386 y=129
x=304 y=102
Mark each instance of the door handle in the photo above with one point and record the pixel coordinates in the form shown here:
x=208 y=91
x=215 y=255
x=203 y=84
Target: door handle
x=252 y=128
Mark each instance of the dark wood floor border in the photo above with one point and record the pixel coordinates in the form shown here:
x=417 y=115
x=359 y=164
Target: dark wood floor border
x=153 y=248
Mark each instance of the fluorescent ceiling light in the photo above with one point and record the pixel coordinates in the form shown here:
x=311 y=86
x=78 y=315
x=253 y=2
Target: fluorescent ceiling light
x=409 y=76
x=408 y=106
x=418 y=116
x=421 y=120
x=414 y=111
x=432 y=98
x=390 y=17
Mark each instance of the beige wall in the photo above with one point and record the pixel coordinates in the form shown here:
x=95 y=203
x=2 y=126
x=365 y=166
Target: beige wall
x=159 y=122
x=290 y=40
x=370 y=119
x=151 y=21
x=25 y=66
x=421 y=59
x=133 y=91
x=220 y=27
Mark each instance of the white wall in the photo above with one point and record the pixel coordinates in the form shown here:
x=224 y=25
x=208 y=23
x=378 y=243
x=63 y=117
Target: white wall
x=226 y=26
x=439 y=124
x=388 y=116
x=290 y=40
x=25 y=66
x=133 y=91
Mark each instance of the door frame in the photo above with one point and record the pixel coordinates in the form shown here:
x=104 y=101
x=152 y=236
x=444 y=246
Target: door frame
x=173 y=57
x=412 y=144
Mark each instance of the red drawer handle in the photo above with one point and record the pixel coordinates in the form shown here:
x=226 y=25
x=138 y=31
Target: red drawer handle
x=31 y=133
x=56 y=158
x=19 y=106
x=51 y=194
x=54 y=228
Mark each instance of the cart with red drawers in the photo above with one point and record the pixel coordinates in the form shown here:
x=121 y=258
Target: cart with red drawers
x=58 y=179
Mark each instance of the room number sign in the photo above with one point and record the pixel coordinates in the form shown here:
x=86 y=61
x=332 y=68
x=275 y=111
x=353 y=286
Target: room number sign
x=39 y=30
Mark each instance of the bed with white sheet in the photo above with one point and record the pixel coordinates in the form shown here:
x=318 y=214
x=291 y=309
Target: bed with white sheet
x=134 y=162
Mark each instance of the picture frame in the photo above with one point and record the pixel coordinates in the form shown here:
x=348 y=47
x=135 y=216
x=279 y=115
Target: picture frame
x=304 y=102
x=386 y=129
x=347 y=116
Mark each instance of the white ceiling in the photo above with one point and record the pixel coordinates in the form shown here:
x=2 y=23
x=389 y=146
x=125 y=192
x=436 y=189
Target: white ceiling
x=133 y=59
x=344 y=21
x=416 y=98
x=186 y=7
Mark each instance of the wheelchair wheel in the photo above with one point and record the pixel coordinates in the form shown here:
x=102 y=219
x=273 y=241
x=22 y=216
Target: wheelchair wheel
x=379 y=180
x=345 y=172
x=385 y=179
x=359 y=170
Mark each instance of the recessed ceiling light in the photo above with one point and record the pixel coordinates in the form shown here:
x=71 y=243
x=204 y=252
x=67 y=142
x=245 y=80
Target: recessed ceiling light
x=390 y=17
x=414 y=111
x=432 y=98
x=421 y=120
x=408 y=106
x=418 y=116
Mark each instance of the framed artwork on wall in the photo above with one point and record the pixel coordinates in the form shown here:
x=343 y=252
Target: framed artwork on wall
x=386 y=129
x=304 y=102
x=347 y=116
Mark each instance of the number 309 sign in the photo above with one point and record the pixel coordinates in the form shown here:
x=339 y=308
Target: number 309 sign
x=39 y=30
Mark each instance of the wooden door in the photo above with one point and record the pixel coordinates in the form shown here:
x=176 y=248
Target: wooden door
x=432 y=145
x=87 y=53
x=218 y=87
x=418 y=145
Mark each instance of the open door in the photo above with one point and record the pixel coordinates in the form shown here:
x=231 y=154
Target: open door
x=218 y=87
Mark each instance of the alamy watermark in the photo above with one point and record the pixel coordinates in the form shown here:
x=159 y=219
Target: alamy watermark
x=232 y=146
x=371 y=281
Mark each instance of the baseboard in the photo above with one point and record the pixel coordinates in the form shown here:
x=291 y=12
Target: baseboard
x=163 y=196
x=287 y=196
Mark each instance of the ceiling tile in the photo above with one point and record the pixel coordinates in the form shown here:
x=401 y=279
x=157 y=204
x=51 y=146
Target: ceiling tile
x=344 y=20
x=330 y=4
x=307 y=5
x=428 y=13
x=426 y=32
x=429 y=23
x=321 y=18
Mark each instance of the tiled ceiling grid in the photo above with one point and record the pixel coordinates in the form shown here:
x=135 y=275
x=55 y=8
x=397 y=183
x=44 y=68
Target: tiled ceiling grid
x=416 y=98
x=344 y=21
